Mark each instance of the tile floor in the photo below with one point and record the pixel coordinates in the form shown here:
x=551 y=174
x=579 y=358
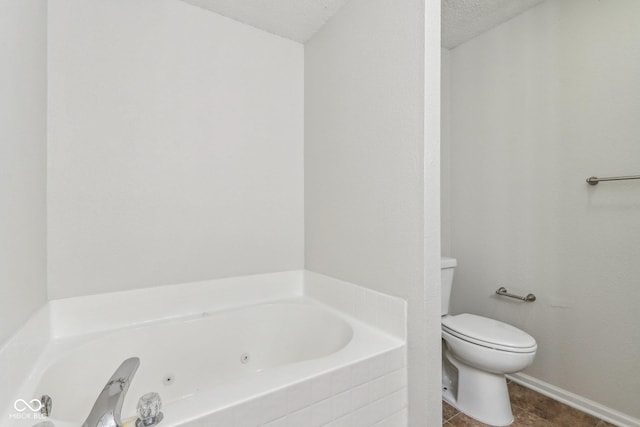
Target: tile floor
x=530 y=409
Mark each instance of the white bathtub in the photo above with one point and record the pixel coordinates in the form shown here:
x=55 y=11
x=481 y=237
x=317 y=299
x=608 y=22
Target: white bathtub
x=290 y=362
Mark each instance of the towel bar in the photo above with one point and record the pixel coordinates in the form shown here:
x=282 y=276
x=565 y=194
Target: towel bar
x=594 y=180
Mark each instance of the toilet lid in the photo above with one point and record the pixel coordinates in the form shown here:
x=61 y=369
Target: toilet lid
x=489 y=333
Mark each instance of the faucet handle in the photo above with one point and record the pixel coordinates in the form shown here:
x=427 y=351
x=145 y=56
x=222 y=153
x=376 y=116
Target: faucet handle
x=149 y=407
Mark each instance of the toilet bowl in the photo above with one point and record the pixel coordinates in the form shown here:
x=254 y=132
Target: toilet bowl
x=477 y=353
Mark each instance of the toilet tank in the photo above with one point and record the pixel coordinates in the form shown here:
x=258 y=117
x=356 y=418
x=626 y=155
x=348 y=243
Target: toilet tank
x=447 y=266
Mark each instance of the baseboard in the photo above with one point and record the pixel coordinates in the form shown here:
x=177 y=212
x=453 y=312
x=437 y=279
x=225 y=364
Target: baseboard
x=575 y=401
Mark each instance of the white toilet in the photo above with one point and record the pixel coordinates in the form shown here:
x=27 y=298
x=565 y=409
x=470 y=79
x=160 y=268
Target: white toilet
x=477 y=353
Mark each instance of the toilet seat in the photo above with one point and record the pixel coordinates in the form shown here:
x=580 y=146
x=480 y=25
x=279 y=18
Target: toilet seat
x=489 y=333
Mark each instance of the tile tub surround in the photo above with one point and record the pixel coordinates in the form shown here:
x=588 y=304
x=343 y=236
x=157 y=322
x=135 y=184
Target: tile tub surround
x=371 y=392
x=367 y=390
x=530 y=409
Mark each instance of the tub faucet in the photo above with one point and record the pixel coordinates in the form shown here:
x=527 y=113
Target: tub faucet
x=106 y=410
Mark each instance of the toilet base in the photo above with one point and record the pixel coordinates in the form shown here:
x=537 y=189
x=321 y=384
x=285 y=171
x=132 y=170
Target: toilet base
x=481 y=395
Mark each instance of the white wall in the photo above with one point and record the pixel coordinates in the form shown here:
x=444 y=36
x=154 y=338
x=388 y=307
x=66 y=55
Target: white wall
x=539 y=104
x=445 y=158
x=23 y=127
x=363 y=146
x=364 y=167
x=425 y=336
x=175 y=147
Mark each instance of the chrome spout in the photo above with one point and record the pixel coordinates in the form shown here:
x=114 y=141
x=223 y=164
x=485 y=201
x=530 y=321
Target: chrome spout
x=106 y=411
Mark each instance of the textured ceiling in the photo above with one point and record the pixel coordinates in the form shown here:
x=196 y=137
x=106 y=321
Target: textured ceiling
x=293 y=19
x=462 y=20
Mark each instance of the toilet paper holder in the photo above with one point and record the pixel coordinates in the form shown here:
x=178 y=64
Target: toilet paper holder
x=503 y=292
